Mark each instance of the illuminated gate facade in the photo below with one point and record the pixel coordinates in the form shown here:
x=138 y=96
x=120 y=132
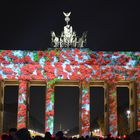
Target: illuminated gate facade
x=72 y=67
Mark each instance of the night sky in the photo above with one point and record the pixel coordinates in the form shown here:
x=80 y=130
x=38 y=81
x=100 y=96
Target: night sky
x=111 y=26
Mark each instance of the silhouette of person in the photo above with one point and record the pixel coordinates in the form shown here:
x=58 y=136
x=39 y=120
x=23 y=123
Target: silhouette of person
x=47 y=136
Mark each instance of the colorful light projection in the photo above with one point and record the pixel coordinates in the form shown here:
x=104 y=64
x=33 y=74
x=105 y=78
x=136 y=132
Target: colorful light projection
x=85 y=108
x=73 y=64
x=138 y=104
x=112 y=109
x=49 y=116
x=22 y=105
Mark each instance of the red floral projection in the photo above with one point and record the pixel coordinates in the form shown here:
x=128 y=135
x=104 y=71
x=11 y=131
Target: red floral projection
x=85 y=108
x=22 y=105
x=138 y=104
x=112 y=109
x=49 y=115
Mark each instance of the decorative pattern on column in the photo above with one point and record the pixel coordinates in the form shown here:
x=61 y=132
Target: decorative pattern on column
x=85 y=109
x=49 y=111
x=106 y=111
x=112 y=109
x=22 y=105
x=138 y=104
x=1 y=106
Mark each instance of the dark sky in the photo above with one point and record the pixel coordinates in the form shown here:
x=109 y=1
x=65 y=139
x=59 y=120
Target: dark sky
x=111 y=25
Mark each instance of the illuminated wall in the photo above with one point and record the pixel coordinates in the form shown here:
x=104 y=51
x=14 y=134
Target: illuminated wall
x=73 y=64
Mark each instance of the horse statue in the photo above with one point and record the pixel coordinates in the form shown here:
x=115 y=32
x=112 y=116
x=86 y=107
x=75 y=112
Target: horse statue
x=54 y=40
x=82 y=40
x=74 y=40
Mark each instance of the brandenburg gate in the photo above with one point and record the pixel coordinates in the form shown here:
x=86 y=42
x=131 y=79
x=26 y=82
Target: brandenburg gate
x=69 y=64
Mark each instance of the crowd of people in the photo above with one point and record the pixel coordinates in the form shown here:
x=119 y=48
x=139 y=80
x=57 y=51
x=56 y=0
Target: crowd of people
x=24 y=134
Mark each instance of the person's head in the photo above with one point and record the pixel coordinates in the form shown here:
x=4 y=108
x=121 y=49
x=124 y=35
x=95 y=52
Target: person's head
x=12 y=131
x=87 y=137
x=23 y=134
x=4 y=137
x=48 y=135
x=59 y=135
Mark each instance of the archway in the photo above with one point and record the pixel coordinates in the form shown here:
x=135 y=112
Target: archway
x=66 y=109
x=10 y=107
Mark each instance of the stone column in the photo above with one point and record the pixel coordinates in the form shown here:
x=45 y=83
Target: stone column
x=138 y=104
x=1 y=106
x=22 y=105
x=132 y=107
x=106 y=109
x=49 y=109
x=84 y=109
x=112 y=104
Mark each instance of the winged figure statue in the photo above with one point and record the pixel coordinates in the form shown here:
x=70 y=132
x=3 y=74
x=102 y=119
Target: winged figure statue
x=66 y=14
x=67 y=19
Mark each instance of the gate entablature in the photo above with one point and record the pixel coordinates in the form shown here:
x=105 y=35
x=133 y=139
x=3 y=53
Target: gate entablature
x=73 y=64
